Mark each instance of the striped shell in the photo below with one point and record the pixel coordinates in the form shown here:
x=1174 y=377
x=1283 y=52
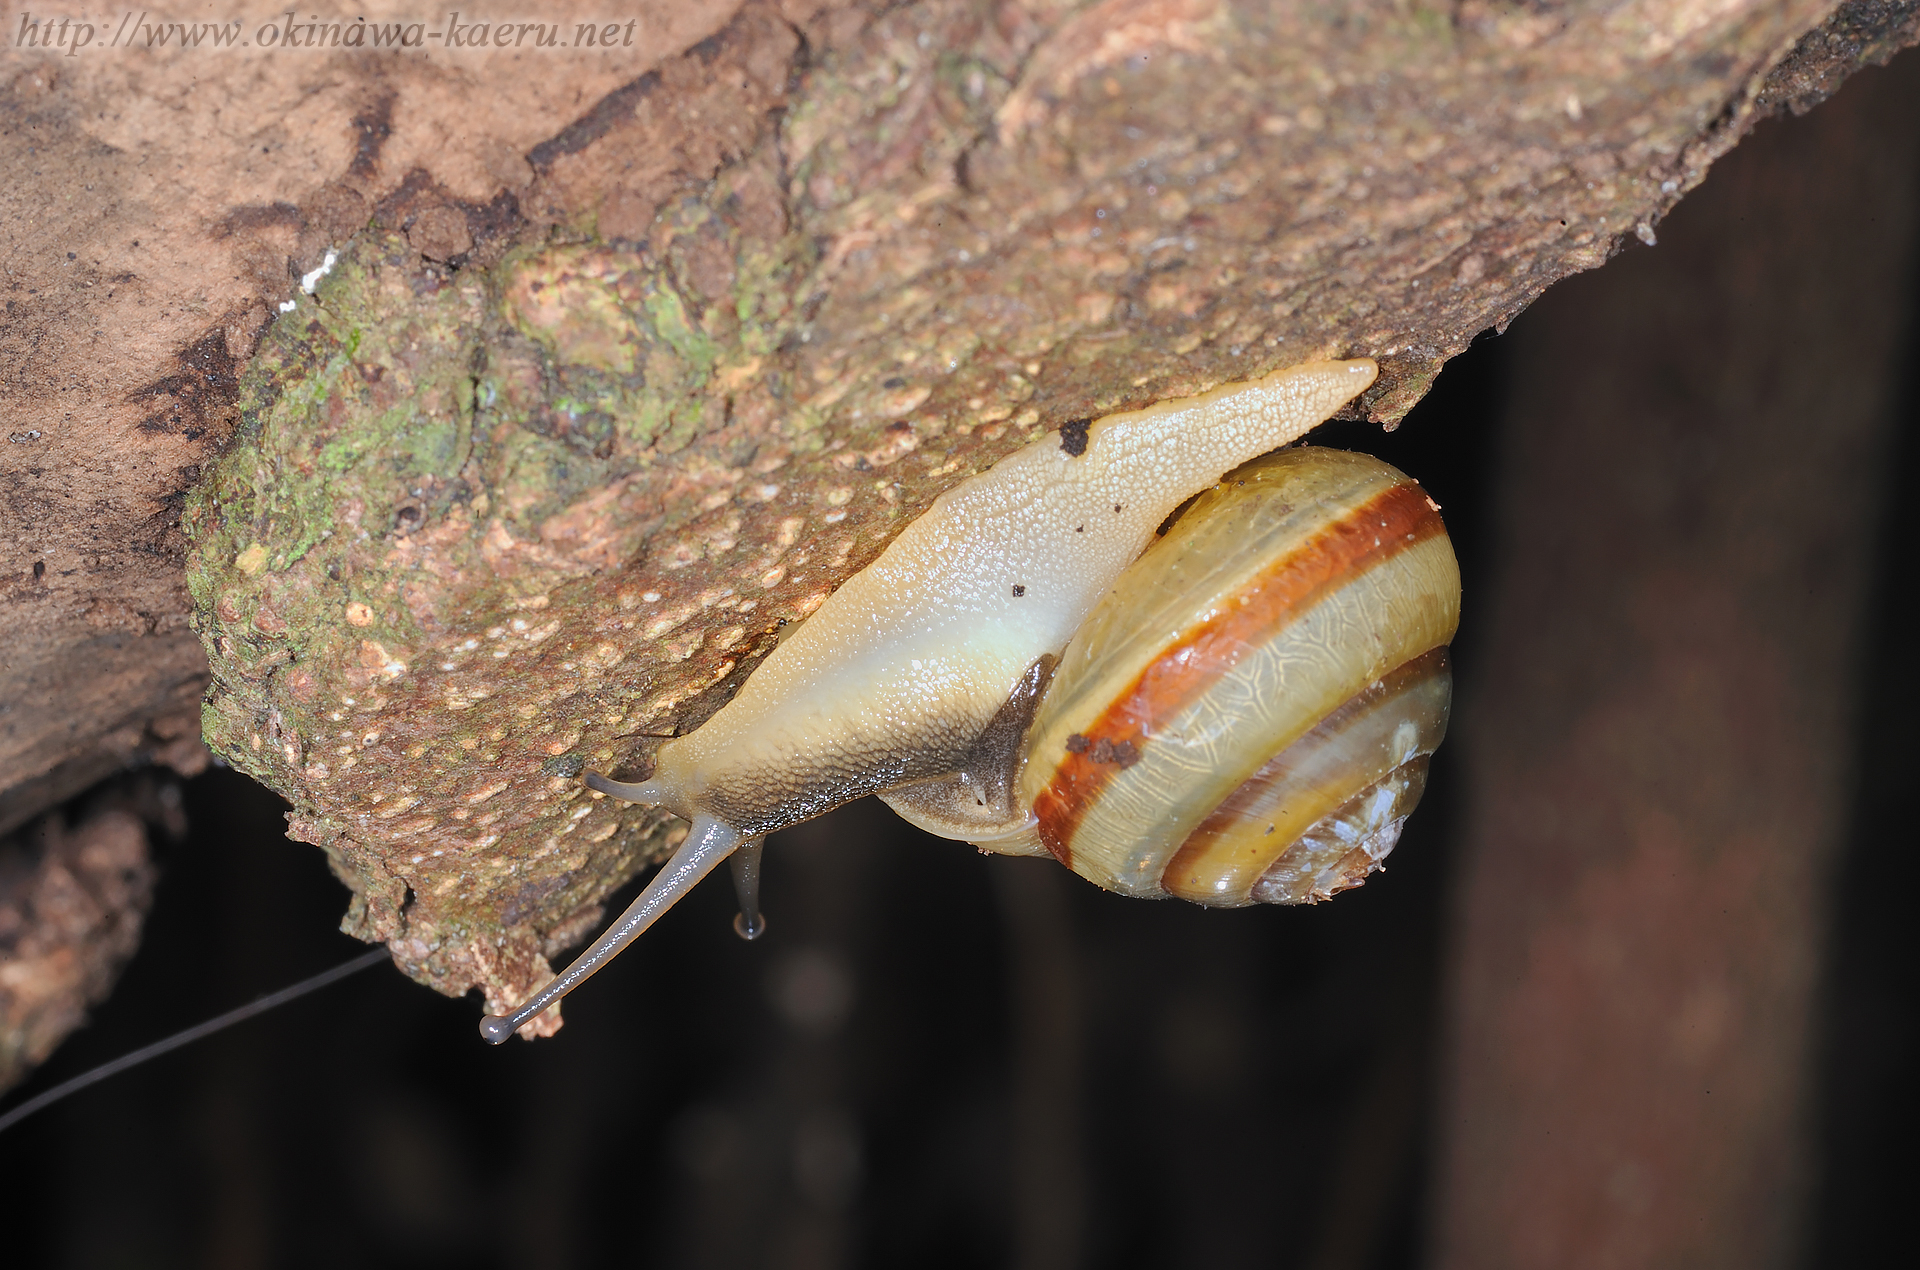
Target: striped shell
x=1248 y=715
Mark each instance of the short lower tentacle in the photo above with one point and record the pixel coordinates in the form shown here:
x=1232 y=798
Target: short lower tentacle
x=750 y=923
x=648 y=792
x=707 y=845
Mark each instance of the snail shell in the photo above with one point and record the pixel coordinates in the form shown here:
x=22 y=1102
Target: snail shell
x=1248 y=714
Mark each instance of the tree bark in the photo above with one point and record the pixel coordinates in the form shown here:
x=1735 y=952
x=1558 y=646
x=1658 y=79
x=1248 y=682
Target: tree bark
x=72 y=902
x=623 y=361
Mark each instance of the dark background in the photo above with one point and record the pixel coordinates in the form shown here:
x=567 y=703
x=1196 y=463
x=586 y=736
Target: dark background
x=933 y=1059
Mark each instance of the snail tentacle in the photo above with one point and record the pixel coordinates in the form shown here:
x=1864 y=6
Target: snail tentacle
x=651 y=793
x=709 y=842
x=750 y=923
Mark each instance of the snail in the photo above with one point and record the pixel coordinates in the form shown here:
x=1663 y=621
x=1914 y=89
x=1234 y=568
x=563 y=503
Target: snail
x=1239 y=713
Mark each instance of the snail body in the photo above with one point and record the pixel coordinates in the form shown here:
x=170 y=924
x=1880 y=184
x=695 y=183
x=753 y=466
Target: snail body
x=923 y=676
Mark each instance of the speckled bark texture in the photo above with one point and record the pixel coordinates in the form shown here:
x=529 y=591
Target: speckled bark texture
x=541 y=467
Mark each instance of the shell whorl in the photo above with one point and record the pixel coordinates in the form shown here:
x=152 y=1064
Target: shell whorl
x=1272 y=668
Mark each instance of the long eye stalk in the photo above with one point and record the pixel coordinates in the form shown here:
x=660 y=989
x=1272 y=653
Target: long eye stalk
x=707 y=845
